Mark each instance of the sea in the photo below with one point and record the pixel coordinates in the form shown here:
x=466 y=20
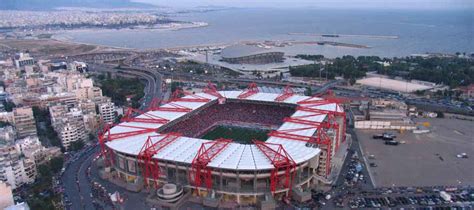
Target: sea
x=418 y=31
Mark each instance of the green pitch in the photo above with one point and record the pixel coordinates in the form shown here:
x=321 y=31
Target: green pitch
x=238 y=134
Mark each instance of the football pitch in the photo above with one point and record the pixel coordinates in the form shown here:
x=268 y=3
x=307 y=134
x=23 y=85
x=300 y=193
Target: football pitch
x=238 y=134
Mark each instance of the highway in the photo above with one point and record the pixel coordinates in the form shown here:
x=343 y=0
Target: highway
x=154 y=80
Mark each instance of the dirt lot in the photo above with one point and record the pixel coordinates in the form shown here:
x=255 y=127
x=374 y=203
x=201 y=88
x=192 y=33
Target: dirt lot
x=425 y=159
x=46 y=47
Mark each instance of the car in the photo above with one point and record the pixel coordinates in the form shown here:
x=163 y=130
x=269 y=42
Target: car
x=388 y=136
x=392 y=142
x=373 y=165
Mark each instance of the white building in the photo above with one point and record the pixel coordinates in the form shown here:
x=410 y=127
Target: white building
x=32 y=148
x=69 y=126
x=78 y=66
x=15 y=169
x=107 y=111
x=23 y=59
x=7 y=135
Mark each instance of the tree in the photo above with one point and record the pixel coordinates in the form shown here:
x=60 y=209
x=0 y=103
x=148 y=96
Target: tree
x=119 y=89
x=46 y=134
x=56 y=164
x=44 y=170
x=310 y=57
x=101 y=77
x=92 y=137
x=352 y=81
x=77 y=145
x=309 y=91
x=4 y=124
x=8 y=105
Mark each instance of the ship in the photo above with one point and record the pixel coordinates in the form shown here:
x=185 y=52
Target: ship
x=330 y=35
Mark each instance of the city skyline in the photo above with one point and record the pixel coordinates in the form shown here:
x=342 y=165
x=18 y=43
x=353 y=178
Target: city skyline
x=341 y=4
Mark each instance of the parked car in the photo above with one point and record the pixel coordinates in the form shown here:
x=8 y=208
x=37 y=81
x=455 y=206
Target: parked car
x=392 y=142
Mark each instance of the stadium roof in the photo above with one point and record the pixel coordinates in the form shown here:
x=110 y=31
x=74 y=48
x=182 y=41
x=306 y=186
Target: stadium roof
x=235 y=156
x=236 y=51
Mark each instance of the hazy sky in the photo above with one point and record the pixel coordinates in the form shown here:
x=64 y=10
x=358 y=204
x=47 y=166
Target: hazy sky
x=389 y=4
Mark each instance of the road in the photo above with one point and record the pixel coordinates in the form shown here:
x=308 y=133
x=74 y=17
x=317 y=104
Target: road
x=154 y=80
x=155 y=89
x=79 y=192
x=76 y=186
x=75 y=181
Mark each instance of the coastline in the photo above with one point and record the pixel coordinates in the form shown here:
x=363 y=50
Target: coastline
x=61 y=35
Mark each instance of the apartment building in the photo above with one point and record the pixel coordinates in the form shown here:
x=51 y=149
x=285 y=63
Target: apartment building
x=69 y=124
x=15 y=169
x=107 y=111
x=24 y=122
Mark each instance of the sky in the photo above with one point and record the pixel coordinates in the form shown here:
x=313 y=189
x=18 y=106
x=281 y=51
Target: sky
x=369 y=4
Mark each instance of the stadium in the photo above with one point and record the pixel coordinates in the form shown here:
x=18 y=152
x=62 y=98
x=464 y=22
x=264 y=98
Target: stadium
x=249 y=54
x=281 y=142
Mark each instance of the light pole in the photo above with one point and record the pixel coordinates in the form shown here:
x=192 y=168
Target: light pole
x=321 y=70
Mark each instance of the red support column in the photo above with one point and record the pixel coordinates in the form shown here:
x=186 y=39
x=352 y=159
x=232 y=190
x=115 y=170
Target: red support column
x=154 y=104
x=287 y=93
x=151 y=147
x=107 y=136
x=324 y=139
x=281 y=160
x=252 y=89
x=211 y=89
x=174 y=108
x=179 y=95
x=151 y=119
x=199 y=170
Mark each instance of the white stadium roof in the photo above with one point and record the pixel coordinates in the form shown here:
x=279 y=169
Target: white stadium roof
x=235 y=156
x=242 y=50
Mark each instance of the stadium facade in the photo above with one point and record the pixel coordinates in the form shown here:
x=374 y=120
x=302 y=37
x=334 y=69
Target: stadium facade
x=145 y=151
x=249 y=54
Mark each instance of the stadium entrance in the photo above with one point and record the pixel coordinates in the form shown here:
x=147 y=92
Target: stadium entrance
x=243 y=135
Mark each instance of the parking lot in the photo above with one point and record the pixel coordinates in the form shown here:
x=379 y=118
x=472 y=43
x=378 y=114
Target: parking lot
x=411 y=199
x=422 y=159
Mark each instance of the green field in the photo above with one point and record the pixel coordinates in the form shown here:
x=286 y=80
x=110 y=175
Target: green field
x=238 y=134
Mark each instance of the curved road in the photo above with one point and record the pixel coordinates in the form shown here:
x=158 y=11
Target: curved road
x=154 y=80
x=77 y=186
x=75 y=182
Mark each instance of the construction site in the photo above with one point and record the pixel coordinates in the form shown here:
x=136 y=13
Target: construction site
x=161 y=150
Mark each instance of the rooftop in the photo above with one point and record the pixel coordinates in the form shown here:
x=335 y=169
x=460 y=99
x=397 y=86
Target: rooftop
x=236 y=51
x=235 y=156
